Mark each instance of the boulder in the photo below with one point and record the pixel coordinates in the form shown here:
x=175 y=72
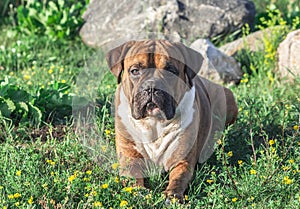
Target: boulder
x=122 y=20
x=288 y=56
x=217 y=66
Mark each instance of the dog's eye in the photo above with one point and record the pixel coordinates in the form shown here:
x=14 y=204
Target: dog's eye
x=172 y=69
x=135 y=71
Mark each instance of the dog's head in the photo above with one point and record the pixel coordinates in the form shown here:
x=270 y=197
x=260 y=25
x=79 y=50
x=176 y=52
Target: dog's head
x=154 y=75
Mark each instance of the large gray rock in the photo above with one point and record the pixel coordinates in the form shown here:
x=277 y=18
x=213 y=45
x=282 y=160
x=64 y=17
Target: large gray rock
x=217 y=66
x=122 y=20
x=289 y=56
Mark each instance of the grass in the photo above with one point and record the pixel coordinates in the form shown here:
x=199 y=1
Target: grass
x=255 y=164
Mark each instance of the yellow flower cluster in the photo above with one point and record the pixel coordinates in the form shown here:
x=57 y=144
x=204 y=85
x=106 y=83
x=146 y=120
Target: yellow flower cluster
x=230 y=154
x=253 y=172
x=73 y=177
x=104 y=186
x=287 y=180
x=14 y=196
x=18 y=173
x=123 y=203
x=50 y=162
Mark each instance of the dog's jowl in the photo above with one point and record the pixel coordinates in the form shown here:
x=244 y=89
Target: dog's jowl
x=165 y=112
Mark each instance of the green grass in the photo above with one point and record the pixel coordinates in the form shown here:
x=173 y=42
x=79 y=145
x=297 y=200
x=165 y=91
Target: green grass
x=46 y=165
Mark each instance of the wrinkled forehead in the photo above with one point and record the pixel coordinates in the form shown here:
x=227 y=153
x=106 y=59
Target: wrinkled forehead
x=154 y=53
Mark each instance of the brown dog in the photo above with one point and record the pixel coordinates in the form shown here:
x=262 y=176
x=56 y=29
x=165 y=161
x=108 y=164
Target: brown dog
x=165 y=112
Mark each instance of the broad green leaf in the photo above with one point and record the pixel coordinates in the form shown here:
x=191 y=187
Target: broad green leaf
x=23 y=106
x=6 y=107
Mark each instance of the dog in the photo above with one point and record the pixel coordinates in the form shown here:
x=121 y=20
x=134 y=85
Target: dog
x=164 y=112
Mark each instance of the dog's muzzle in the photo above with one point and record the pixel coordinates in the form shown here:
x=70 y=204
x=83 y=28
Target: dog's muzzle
x=153 y=100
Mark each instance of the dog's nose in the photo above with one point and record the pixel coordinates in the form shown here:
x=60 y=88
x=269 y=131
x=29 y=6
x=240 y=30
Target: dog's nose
x=149 y=87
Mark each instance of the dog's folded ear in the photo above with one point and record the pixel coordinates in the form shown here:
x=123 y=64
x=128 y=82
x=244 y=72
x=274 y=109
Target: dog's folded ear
x=192 y=59
x=115 y=59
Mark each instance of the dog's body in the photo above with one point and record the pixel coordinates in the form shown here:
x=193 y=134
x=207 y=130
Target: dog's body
x=165 y=113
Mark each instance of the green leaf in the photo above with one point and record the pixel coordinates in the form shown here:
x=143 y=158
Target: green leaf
x=53 y=6
x=61 y=3
x=23 y=106
x=35 y=114
x=18 y=95
x=64 y=18
x=6 y=107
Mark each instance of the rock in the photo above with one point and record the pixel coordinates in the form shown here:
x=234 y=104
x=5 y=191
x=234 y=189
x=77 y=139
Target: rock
x=252 y=42
x=288 y=56
x=217 y=66
x=122 y=20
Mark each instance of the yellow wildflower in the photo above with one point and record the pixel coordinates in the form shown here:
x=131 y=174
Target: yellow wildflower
x=240 y=162
x=63 y=81
x=50 y=71
x=209 y=181
x=18 y=173
x=128 y=189
x=30 y=201
x=296 y=127
x=123 y=203
x=86 y=179
x=97 y=204
x=115 y=166
x=10 y=196
x=104 y=186
x=148 y=196
x=234 y=199
x=271 y=142
x=72 y=178
x=253 y=172
x=61 y=69
x=186 y=197
x=89 y=172
x=287 y=180
x=93 y=193
x=26 y=77
x=291 y=161
x=230 y=154
x=117 y=179
x=50 y=162
x=17 y=204
x=107 y=132
x=285 y=168
x=17 y=195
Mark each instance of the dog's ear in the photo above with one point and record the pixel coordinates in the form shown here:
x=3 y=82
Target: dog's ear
x=192 y=59
x=115 y=59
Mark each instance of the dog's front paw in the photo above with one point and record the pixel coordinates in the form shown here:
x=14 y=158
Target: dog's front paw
x=172 y=197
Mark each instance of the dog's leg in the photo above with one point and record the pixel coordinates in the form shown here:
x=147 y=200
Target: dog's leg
x=179 y=178
x=232 y=109
x=131 y=161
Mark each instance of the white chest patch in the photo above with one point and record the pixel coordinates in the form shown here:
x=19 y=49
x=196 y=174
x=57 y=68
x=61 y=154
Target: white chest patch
x=156 y=139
